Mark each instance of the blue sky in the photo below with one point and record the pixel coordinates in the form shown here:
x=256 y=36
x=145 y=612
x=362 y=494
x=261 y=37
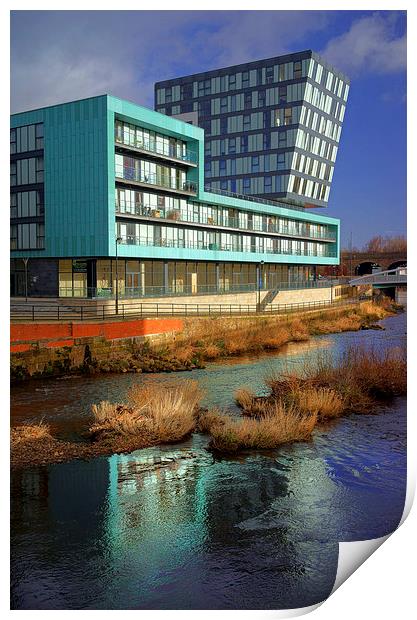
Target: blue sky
x=63 y=55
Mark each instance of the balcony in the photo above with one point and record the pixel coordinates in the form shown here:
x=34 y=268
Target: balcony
x=221 y=247
x=132 y=176
x=168 y=153
x=302 y=232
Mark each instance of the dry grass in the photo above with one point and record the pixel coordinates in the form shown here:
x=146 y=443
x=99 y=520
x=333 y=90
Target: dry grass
x=245 y=398
x=360 y=378
x=211 y=351
x=324 y=402
x=281 y=425
x=164 y=413
x=30 y=432
x=185 y=353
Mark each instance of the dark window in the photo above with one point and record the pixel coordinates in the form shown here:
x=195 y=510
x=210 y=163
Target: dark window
x=261 y=98
x=267 y=141
x=282 y=94
x=268 y=184
x=222 y=167
x=168 y=95
x=244 y=144
x=223 y=185
x=187 y=90
x=255 y=163
x=223 y=104
x=232 y=82
x=269 y=75
x=205 y=107
x=245 y=79
x=246 y=185
x=248 y=101
x=246 y=122
x=186 y=107
x=12 y=141
x=223 y=126
x=282 y=139
x=297 y=70
x=232 y=145
x=281 y=161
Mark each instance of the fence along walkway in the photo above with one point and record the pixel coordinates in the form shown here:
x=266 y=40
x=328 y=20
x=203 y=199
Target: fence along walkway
x=39 y=312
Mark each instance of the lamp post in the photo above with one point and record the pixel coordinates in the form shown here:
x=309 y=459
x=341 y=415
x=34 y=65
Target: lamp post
x=118 y=240
x=25 y=261
x=259 y=285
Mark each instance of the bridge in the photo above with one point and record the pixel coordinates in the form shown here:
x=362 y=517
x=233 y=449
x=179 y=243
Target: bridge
x=382 y=279
x=362 y=263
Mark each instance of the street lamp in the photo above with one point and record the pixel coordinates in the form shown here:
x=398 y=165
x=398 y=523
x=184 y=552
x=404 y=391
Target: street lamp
x=259 y=284
x=118 y=240
x=25 y=261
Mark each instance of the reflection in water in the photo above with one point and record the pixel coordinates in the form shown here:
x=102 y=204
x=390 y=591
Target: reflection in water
x=173 y=527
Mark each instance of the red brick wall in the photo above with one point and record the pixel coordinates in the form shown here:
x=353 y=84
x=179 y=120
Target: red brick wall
x=22 y=335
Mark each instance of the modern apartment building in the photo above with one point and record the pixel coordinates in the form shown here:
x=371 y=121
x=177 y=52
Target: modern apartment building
x=106 y=191
x=272 y=127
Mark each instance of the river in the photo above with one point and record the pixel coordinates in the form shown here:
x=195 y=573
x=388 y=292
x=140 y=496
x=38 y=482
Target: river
x=172 y=527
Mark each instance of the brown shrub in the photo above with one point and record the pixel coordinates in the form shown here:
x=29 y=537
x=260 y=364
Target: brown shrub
x=324 y=402
x=244 y=398
x=212 y=351
x=164 y=412
x=30 y=432
x=282 y=425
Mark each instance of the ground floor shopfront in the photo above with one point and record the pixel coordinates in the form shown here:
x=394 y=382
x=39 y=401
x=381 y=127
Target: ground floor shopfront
x=98 y=277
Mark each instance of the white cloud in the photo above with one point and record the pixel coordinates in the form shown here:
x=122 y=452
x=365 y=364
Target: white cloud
x=369 y=46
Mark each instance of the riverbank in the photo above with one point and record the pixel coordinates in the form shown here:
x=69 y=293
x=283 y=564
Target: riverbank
x=90 y=441
x=202 y=340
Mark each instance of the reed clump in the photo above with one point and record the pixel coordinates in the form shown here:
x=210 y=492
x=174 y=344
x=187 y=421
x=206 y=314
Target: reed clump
x=30 y=433
x=161 y=413
x=280 y=425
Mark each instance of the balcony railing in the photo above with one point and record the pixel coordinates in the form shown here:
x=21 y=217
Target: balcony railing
x=165 y=151
x=230 y=222
x=132 y=174
x=265 y=201
x=219 y=247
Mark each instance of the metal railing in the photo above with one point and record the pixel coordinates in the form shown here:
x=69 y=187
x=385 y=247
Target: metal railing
x=220 y=247
x=182 y=290
x=177 y=215
x=127 y=173
x=250 y=198
x=152 y=147
x=45 y=312
x=391 y=276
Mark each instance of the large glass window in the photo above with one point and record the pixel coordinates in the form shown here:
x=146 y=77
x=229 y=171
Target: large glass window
x=26 y=139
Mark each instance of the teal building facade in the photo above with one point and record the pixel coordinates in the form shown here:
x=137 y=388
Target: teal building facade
x=106 y=191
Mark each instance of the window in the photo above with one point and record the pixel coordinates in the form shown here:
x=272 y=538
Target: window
x=281 y=161
x=223 y=125
x=222 y=167
x=282 y=94
x=246 y=185
x=223 y=104
x=12 y=141
x=232 y=145
x=244 y=144
x=246 y=122
x=288 y=116
x=248 y=101
x=297 y=70
x=255 y=163
x=269 y=75
x=205 y=107
x=282 y=139
x=267 y=141
x=187 y=91
x=245 y=79
x=168 y=95
x=232 y=82
x=261 y=98
x=13 y=237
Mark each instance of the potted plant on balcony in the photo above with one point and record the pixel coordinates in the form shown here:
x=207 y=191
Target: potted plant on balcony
x=173 y=214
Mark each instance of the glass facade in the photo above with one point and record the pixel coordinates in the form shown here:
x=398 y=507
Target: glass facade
x=137 y=193
x=272 y=127
x=27 y=217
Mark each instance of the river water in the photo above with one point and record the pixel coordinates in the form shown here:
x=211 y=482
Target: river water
x=172 y=527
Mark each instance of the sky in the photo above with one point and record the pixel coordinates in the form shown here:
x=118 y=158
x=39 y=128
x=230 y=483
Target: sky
x=60 y=56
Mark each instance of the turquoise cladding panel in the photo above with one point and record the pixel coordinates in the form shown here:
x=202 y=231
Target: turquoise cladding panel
x=76 y=177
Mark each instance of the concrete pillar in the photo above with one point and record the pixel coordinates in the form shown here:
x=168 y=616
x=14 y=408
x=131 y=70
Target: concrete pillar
x=166 y=277
x=217 y=277
x=142 y=277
